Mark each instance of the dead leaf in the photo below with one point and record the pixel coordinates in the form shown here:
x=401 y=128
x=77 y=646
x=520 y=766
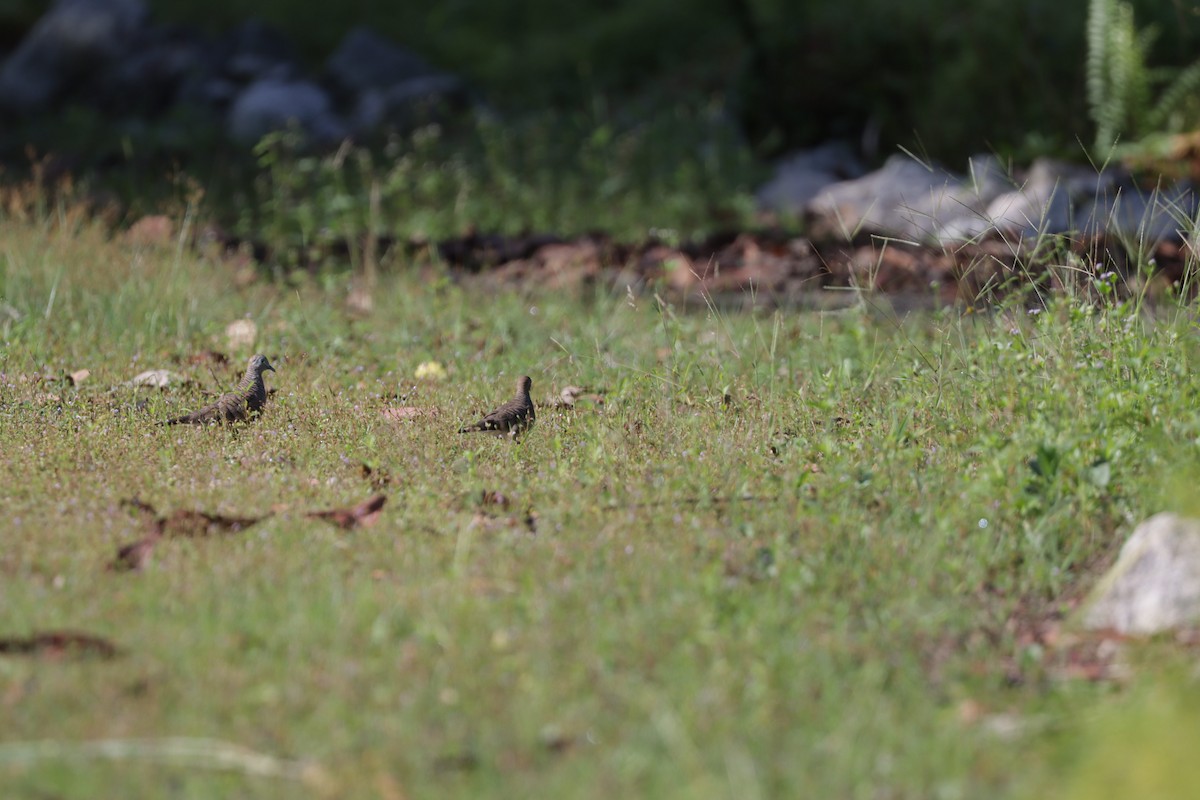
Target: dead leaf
x=571 y=395
x=134 y=556
x=402 y=413
x=155 y=229
x=215 y=357
x=187 y=522
x=970 y=711
x=362 y=515
x=378 y=477
x=360 y=301
x=58 y=644
x=493 y=498
x=488 y=523
x=556 y=740
x=158 y=379
x=179 y=523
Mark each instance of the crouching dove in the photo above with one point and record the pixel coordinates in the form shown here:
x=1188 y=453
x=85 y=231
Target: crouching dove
x=245 y=402
x=511 y=419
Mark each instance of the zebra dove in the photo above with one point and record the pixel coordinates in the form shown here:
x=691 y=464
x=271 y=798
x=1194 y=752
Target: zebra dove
x=243 y=403
x=511 y=419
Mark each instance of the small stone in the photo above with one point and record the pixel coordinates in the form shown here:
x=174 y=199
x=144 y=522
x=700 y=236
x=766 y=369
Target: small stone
x=158 y=379
x=1155 y=584
x=241 y=333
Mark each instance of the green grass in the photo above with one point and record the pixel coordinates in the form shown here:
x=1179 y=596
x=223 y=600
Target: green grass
x=792 y=593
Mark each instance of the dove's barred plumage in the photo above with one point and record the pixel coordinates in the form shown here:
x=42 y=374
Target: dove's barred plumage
x=243 y=403
x=511 y=419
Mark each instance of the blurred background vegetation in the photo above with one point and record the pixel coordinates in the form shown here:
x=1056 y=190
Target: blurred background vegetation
x=634 y=116
x=945 y=77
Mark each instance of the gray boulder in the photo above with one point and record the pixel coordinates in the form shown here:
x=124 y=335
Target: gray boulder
x=1029 y=212
x=956 y=212
x=801 y=176
x=1155 y=584
x=250 y=53
x=409 y=104
x=907 y=199
x=255 y=50
x=1045 y=201
x=147 y=79
x=71 y=42
x=365 y=60
x=383 y=84
x=271 y=105
x=1141 y=217
x=1041 y=205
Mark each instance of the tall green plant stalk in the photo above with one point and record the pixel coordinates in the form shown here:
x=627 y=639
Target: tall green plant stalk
x=1128 y=98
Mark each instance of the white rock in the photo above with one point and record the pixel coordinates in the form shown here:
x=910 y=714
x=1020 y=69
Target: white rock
x=241 y=333
x=1030 y=212
x=907 y=199
x=157 y=378
x=1042 y=204
x=1155 y=584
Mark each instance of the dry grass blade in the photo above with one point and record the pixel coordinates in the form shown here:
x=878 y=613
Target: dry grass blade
x=494 y=498
x=199 y=753
x=405 y=413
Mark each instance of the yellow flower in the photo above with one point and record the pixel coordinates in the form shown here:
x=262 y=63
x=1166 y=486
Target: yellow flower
x=431 y=370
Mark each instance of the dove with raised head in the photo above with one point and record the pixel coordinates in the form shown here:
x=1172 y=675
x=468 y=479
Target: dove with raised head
x=245 y=402
x=511 y=419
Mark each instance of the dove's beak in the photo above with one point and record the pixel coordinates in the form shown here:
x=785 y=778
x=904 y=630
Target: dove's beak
x=268 y=366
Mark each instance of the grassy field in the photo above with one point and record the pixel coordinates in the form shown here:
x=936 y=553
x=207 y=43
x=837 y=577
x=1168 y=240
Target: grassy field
x=789 y=555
